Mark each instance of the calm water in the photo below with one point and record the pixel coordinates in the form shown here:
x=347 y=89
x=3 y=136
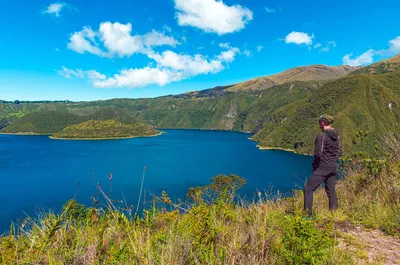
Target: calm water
x=38 y=173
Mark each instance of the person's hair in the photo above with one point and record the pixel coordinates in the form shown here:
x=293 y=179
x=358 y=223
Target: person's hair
x=326 y=122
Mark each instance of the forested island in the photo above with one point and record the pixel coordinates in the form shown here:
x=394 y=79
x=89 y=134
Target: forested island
x=108 y=129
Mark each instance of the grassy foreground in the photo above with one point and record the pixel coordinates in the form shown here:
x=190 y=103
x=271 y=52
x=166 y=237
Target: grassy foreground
x=214 y=226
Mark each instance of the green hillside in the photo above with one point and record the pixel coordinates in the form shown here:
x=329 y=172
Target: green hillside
x=109 y=129
x=243 y=111
x=43 y=121
x=385 y=66
x=358 y=102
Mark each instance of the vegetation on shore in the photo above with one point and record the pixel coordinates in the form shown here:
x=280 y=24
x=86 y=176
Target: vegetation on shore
x=108 y=129
x=214 y=226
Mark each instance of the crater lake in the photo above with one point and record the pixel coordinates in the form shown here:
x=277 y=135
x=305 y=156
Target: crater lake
x=39 y=174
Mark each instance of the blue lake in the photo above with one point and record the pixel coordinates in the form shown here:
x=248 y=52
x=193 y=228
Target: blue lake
x=38 y=173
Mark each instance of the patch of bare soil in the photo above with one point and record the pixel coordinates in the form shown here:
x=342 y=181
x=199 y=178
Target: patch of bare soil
x=369 y=246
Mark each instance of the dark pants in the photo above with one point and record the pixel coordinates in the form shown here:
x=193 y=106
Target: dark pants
x=321 y=175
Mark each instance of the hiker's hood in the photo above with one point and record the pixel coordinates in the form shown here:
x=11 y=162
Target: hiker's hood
x=332 y=133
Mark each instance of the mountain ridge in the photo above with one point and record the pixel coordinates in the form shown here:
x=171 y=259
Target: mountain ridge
x=316 y=72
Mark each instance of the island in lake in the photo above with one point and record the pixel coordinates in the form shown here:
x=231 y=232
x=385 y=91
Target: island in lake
x=108 y=129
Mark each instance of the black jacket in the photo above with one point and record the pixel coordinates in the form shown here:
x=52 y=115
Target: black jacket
x=327 y=149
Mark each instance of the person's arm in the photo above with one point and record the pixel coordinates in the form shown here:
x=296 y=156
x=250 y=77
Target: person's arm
x=319 y=148
x=340 y=149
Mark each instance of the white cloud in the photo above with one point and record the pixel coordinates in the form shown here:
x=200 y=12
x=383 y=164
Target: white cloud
x=170 y=67
x=85 y=41
x=133 y=78
x=394 y=46
x=167 y=28
x=318 y=45
x=155 y=38
x=224 y=45
x=189 y=65
x=117 y=40
x=247 y=53
x=368 y=56
x=68 y=73
x=299 y=38
x=363 y=59
x=79 y=73
x=328 y=46
x=259 y=48
x=212 y=15
x=229 y=55
x=270 y=10
x=94 y=75
x=55 y=9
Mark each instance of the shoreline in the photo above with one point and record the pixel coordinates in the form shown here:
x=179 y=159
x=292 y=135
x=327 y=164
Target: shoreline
x=263 y=148
x=26 y=134
x=278 y=148
x=281 y=149
x=104 y=139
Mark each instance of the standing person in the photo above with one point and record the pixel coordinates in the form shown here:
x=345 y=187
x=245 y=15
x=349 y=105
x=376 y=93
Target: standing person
x=327 y=152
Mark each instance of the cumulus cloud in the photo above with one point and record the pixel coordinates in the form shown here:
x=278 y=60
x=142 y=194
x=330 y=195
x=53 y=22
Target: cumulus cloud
x=299 y=38
x=229 y=55
x=94 y=75
x=363 y=59
x=68 y=73
x=170 y=67
x=133 y=78
x=212 y=15
x=259 y=48
x=189 y=65
x=85 y=41
x=368 y=56
x=394 y=46
x=55 y=9
x=116 y=39
x=79 y=73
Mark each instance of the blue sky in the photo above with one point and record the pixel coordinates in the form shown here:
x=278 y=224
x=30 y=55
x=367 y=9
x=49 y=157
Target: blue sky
x=89 y=50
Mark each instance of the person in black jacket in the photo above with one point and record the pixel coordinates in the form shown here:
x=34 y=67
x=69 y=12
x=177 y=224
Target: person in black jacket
x=327 y=152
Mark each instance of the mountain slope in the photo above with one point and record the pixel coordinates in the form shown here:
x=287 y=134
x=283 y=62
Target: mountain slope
x=385 y=66
x=358 y=102
x=230 y=111
x=305 y=73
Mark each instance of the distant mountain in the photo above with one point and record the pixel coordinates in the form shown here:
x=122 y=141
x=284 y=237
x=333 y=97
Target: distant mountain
x=385 y=66
x=305 y=73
